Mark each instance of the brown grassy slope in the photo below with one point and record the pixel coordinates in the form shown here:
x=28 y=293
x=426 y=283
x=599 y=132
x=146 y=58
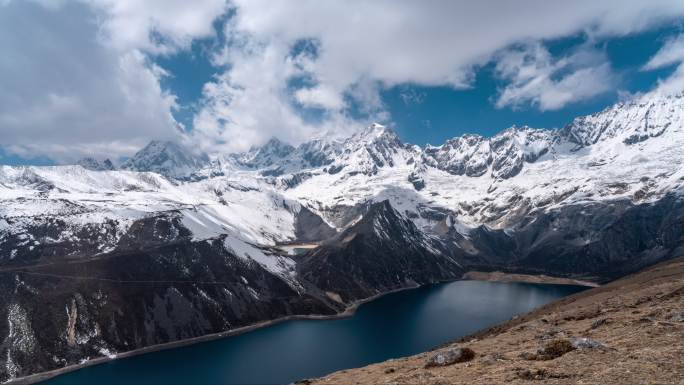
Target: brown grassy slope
x=639 y=319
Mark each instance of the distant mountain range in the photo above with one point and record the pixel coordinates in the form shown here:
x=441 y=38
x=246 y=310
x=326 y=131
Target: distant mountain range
x=176 y=244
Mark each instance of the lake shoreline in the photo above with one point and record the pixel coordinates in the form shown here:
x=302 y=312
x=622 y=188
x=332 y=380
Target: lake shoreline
x=348 y=312
x=499 y=276
x=612 y=316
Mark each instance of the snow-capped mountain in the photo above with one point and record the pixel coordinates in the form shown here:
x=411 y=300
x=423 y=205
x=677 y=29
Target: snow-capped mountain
x=631 y=122
x=273 y=152
x=166 y=158
x=96 y=165
x=282 y=230
x=474 y=180
x=504 y=154
x=370 y=150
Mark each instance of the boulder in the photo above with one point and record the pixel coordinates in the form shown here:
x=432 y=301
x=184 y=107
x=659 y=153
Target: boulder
x=491 y=359
x=450 y=357
x=586 y=343
x=677 y=317
x=554 y=349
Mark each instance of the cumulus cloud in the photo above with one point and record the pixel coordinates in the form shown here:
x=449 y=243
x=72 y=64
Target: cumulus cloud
x=251 y=102
x=363 y=47
x=157 y=26
x=535 y=77
x=76 y=78
x=79 y=76
x=319 y=96
x=671 y=53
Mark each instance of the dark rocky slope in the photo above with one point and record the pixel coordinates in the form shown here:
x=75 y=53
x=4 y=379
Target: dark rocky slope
x=158 y=286
x=601 y=241
x=383 y=251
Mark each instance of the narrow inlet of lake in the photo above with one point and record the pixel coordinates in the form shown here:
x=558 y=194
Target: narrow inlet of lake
x=395 y=325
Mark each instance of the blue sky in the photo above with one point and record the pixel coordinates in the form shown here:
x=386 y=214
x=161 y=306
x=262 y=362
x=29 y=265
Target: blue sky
x=102 y=79
x=443 y=112
x=432 y=114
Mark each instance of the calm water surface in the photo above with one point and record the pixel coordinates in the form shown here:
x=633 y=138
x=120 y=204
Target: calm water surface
x=396 y=325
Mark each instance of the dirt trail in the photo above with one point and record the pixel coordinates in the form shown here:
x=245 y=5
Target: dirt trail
x=638 y=320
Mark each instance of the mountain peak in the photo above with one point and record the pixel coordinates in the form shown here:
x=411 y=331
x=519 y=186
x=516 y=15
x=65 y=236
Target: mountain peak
x=631 y=122
x=376 y=131
x=95 y=165
x=167 y=158
x=377 y=126
x=277 y=147
x=267 y=154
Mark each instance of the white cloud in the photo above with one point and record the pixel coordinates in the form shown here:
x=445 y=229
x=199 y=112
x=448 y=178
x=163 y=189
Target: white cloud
x=410 y=96
x=250 y=103
x=157 y=26
x=674 y=84
x=364 y=47
x=76 y=78
x=672 y=52
x=319 y=96
x=434 y=43
x=536 y=78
